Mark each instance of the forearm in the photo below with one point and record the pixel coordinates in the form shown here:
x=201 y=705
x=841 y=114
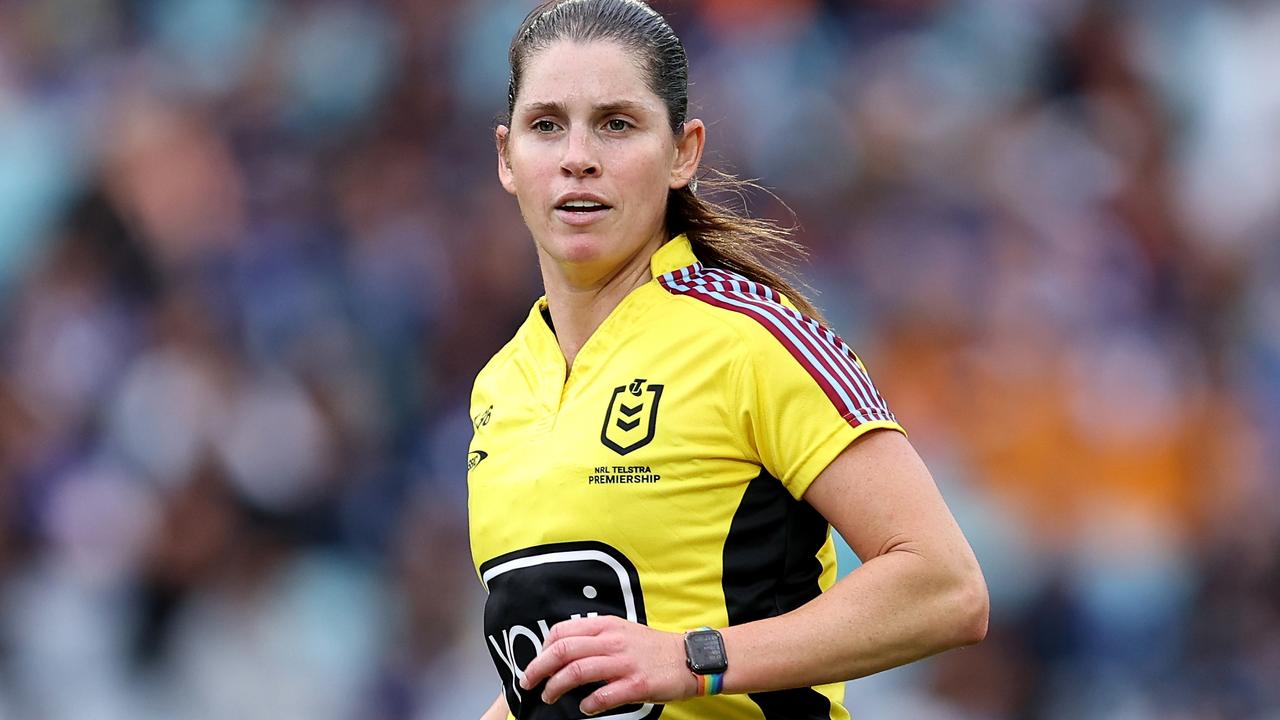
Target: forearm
x=896 y=608
x=919 y=593
x=498 y=710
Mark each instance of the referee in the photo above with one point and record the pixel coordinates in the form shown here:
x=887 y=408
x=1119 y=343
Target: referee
x=662 y=449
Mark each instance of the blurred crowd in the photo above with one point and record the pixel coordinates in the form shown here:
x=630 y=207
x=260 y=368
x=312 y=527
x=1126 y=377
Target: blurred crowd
x=252 y=253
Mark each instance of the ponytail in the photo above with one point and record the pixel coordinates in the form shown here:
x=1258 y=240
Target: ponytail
x=726 y=238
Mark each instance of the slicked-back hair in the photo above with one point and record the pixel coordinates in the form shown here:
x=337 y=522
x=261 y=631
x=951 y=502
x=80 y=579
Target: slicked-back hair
x=722 y=237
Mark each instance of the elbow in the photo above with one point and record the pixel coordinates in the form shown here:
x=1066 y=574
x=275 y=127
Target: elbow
x=972 y=609
x=962 y=607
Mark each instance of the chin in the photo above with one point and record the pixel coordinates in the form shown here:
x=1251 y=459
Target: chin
x=579 y=248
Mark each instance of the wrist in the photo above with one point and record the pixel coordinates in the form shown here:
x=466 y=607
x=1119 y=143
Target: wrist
x=708 y=685
x=706 y=659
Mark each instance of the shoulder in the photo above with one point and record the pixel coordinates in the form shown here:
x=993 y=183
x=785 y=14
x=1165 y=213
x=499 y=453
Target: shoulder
x=784 y=348
x=503 y=363
x=760 y=317
x=499 y=363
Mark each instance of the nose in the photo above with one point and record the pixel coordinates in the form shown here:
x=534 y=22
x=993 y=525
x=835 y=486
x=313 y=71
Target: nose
x=581 y=156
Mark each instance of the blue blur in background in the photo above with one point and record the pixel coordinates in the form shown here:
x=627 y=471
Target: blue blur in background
x=252 y=254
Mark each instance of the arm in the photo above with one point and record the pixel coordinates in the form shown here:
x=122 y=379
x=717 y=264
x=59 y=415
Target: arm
x=919 y=592
x=498 y=710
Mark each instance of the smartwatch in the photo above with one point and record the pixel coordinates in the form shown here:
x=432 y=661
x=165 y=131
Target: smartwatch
x=704 y=653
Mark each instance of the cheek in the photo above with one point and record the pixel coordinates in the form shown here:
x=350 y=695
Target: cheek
x=646 y=173
x=528 y=166
x=528 y=208
x=529 y=187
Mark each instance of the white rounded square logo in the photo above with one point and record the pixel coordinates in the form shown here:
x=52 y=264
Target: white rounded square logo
x=531 y=590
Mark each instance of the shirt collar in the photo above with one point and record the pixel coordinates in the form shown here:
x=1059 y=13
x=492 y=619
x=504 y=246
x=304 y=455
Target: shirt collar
x=676 y=253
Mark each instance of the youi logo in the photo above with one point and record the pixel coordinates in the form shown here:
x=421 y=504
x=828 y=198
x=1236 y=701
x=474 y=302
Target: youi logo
x=531 y=590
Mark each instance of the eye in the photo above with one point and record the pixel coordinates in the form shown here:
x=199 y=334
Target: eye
x=544 y=126
x=618 y=125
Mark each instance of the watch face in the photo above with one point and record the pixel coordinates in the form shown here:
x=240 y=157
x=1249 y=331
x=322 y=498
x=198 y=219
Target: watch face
x=706 y=652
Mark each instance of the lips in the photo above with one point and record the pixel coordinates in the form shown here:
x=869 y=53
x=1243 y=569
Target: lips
x=580 y=208
x=580 y=202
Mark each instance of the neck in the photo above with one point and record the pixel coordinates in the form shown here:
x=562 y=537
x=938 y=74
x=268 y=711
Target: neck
x=580 y=298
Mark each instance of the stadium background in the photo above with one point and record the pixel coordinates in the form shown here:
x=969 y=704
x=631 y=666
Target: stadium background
x=252 y=253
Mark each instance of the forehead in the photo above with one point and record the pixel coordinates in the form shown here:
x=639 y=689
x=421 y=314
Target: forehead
x=568 y=71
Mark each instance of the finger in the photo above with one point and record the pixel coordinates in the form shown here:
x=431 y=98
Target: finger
x=615 y=694
x=581 y=626
x=563 y=630
x=559 y=653
x=579 y=673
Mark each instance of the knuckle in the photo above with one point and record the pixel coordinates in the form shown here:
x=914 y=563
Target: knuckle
x=599 y=701
x=640 y=686
x=560 y=650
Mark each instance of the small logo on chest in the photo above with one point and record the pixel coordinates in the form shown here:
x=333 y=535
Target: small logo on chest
x=623 y=475
x=632 y=416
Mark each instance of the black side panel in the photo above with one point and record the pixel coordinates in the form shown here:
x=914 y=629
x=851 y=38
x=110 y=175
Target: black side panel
x=771 y=567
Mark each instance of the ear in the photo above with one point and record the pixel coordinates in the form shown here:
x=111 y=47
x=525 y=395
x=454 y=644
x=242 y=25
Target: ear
x=500 y=137
x=688 y=155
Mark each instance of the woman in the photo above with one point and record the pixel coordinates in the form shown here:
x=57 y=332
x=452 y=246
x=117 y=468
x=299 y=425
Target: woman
x=661 y=450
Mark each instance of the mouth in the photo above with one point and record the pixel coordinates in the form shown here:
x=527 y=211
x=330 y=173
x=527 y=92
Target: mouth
x=584 y=207
x=580 y=212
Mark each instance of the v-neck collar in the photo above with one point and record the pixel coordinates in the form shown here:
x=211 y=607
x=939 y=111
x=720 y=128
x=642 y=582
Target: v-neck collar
x=551 y=379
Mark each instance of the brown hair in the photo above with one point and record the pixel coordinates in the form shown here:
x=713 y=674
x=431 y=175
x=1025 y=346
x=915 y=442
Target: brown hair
x=721 y=236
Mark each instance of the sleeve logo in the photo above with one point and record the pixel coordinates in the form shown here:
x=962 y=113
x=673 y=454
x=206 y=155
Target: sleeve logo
x=531 y=590
x=632 y=416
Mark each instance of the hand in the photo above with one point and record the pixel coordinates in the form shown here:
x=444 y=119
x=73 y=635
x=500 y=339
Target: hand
x=637 y=664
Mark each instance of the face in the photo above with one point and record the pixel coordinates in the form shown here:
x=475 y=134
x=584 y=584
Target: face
x=590 y=156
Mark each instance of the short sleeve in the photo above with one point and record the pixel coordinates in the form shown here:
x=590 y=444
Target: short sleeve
x=807 y=396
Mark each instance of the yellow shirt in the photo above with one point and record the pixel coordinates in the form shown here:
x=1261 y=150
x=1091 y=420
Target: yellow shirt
x=662 y=480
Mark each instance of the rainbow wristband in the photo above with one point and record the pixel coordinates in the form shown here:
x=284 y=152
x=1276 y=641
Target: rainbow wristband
x=709 y=684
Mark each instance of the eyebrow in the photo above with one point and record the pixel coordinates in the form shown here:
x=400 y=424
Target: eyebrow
x=555 y=108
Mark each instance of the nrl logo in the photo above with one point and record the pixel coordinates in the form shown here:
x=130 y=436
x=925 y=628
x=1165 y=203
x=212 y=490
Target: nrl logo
x=632 y=417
